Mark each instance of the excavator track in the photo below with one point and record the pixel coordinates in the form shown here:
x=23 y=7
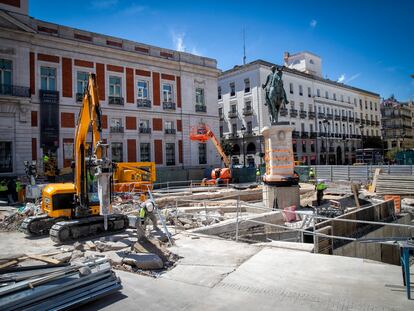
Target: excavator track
x=38 y=225
x=67 y=231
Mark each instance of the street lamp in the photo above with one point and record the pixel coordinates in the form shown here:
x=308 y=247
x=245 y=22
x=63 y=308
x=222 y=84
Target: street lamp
x=243 y=130
x=326 y=124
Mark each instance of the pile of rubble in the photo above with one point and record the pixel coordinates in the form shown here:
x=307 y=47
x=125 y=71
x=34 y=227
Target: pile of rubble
x=12 y=217
x=185 y=221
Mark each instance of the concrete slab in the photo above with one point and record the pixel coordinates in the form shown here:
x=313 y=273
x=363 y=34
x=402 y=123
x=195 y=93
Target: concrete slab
x=262 y=279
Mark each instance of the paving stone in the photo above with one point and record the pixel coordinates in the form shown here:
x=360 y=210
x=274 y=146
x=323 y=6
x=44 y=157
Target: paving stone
x=144 y=261
x=111 y=246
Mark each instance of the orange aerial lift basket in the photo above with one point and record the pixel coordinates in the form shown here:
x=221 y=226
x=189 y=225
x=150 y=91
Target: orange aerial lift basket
x=199 y=132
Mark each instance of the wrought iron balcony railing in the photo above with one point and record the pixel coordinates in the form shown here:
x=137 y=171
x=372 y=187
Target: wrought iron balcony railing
x=143 y=103
x=303 y=114
x=311 y=114
x=232 y=114
x=247 y=111
x=14 y=90
x=116 y=129
x=168 y=105
x=145 y=130
x=329 y=116
x=169 y=131
x=321 y=115
x=293 y=113
x=116 y=100
x=201 y=108
x=283 y=112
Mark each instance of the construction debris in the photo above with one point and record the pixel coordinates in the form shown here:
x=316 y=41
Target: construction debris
x=57 y=288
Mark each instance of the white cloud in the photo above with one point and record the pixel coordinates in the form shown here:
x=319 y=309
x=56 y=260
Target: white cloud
x=103 y=4
x=313 y=23
x=178 y=41
x=352 y=77
x=341 y=78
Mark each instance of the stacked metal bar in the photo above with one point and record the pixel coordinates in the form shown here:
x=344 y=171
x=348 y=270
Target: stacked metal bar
x=57 y=288
x=395 y=184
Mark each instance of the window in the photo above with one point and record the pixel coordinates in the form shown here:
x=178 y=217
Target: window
x=82 y=81
x=221 y=130
x=300 y=90
x=144 y=124
x=311 y=128
x=334 y=96
x=311 y=61
x=234 y=128
x=200 y=96
x=170 y=153
x=233 y=108
x=5 y=72
x=375 y=106
x=326 y=94
x=303 y=145
x=202 y=153
x=48 y=78
x=248 y=105
x=318 y=92
x=246 y=85
x=310 y=107
x=360 y=104
x=292 y=104
x=114 y=86
x=142 y=89
x=145 y=152
x=167 y=93
x=232 y=89
x=6 y=157
x=249 y=127
x=220 y=112
x=309 y=92
x=370 y=105
x=302 y=108
x=366 y=104
x=312 y=146
x=302 y=127
x=355 y=102
x=117 y=152
x=219 y=92
x=291 y=88
x=349 y=99
x=169 y=125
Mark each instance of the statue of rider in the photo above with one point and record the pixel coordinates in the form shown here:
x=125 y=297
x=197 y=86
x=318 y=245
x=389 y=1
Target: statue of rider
x=275 y=94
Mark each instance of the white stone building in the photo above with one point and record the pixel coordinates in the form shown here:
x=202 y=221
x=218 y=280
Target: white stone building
x=330 y=118
x=150 y=96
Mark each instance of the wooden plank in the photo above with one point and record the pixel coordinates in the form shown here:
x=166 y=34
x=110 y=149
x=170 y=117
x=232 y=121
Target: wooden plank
x=375 y=179
x=354 y=188
x=44 y=259
x=8 y=264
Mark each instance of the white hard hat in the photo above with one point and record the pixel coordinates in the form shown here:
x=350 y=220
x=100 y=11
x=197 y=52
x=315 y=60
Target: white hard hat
x=149 y=205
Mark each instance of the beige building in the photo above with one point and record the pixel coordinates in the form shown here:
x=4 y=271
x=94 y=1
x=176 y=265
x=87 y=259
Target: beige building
x=150 y=96
x=330 y=119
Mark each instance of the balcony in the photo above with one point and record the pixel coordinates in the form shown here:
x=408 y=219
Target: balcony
x=283 y=112
x=321 y=115
x=169 y=131
x=221 y=117
x=247 y=111
x=14 y=90
x=329 y=116
x=295 y=134
x=322 y=134
x=293 y=113
x=200 y=108
x=248 y=134
x=232 y=114
x=344 y=118
x=362 y=121
x=116 y=100
x=232 y=136
x=143 y=103
x=377 y=123
x=357 y=120
x=168 y=106
x=116 y=129
x=304 y=134
x=351 y=119
x=145 y=130
x=303 y=114
x=79 y=97
x=338 y=135
x=312 y=115
x=337 y=117
x=313 y=135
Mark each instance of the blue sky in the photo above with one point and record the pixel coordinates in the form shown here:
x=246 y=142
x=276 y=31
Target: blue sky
x=367 y=44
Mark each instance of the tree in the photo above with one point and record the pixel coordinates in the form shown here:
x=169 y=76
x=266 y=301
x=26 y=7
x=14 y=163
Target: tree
x=391 y=154
x=227 y=147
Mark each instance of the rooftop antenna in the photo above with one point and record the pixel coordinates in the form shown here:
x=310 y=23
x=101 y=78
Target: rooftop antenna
x=244 y=47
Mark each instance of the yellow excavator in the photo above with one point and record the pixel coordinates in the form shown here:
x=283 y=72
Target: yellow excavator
x=83 y=208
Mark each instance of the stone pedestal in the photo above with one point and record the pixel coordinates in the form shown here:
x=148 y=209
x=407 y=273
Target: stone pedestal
x=280 y=188
x=281 y=197
x=278 y=153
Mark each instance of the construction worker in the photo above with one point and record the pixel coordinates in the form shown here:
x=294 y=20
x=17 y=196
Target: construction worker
x=258 y=174
x=320 y=187
x=147 y=209
x=311 y=175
